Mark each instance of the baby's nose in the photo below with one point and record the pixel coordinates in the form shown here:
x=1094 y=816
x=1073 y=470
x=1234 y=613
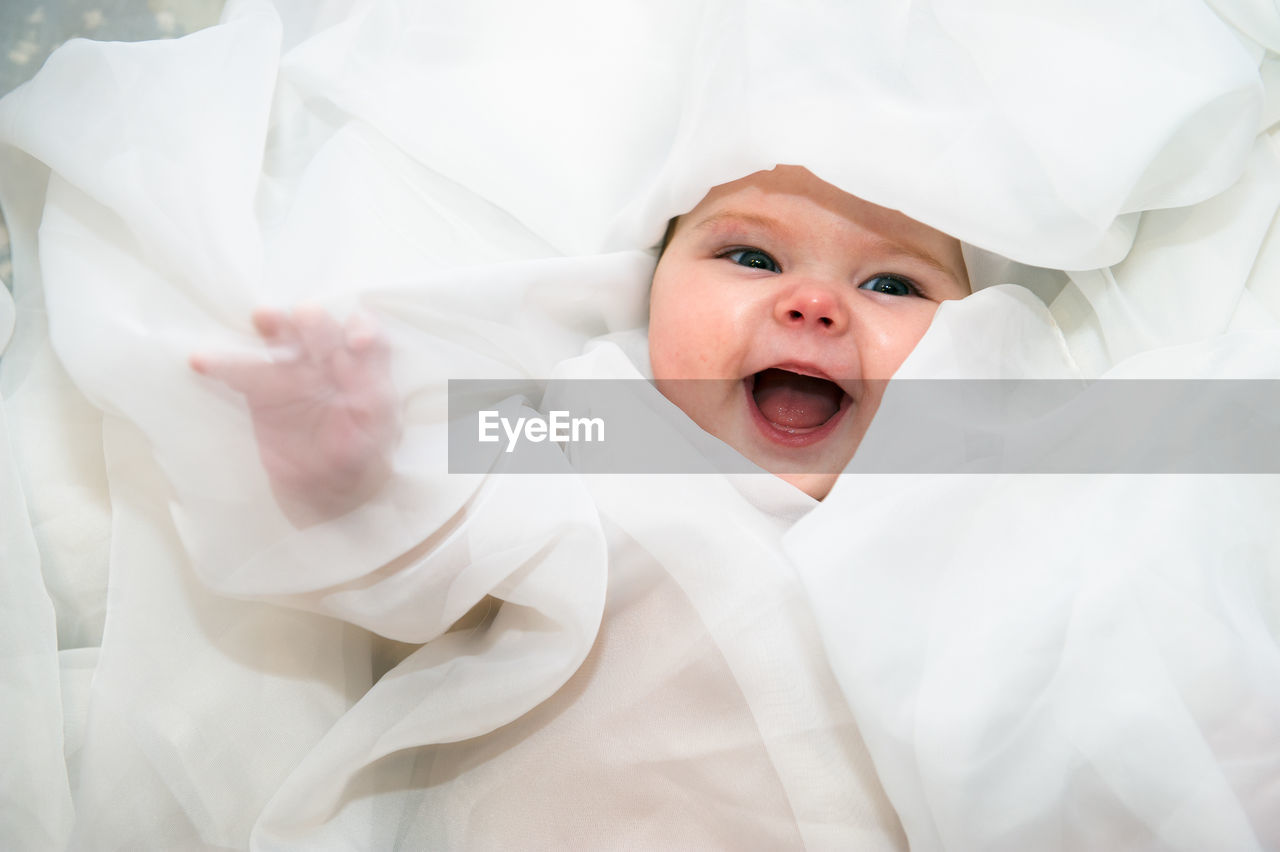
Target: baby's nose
x=813 y=305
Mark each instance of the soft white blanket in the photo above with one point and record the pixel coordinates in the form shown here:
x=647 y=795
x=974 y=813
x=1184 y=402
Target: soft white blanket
x=1033 y=661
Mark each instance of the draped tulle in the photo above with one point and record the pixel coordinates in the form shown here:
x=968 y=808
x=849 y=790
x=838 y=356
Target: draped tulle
x=1033 y=661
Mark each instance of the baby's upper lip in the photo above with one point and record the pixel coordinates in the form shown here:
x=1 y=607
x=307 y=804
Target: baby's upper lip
x=803 y=369
x=807 y=368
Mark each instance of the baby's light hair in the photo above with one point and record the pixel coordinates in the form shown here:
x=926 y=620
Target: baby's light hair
x=666 y=236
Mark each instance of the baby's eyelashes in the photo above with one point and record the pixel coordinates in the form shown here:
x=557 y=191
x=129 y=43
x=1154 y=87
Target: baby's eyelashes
x=892 y=285
x=753 y=258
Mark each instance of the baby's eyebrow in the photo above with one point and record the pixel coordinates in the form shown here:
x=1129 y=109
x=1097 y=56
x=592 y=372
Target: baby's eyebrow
x=882 y=245
x=876 y=245
x=739 y=217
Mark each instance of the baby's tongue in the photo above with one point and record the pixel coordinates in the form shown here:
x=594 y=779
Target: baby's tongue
x=793 y=401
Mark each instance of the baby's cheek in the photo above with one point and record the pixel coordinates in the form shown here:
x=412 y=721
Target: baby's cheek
x=662 y=360
x=904 y=338
x=681 y=348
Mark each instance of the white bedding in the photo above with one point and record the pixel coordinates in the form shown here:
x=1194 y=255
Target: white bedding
x=1033 y=661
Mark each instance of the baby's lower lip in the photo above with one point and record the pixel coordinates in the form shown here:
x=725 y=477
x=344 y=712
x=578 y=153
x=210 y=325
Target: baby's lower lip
x=792 y=436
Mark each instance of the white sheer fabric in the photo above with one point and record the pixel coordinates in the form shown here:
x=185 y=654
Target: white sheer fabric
x=1033 y=662
x=1072 y=661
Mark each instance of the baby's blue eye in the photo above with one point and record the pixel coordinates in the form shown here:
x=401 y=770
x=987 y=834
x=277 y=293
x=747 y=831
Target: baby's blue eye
x=753 y=258
x=890 y=284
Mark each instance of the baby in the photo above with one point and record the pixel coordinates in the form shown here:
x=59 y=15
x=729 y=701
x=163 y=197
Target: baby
x=696 y=709
x=800 y=299
x=796 y=299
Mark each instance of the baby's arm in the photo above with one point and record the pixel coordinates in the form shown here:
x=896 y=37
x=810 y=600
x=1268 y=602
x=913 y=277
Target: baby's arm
x=411 y=560
x=323 y=406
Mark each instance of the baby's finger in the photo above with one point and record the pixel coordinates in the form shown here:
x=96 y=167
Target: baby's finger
x=248 y=374
x=368 y=361
x=347 y=375
x=278 y=331
x=352 y=376
x=201 y=362
x=371 y=398
x=367 y=342
x=269 y=323
x=361 y=331
x=318 y=332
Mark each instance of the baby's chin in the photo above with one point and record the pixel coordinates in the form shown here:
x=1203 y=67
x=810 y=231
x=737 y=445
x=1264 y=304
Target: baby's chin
x=816 y=485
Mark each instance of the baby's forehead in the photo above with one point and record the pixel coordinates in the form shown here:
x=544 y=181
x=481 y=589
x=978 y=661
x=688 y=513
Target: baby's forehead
x=790 y=201
x=769 y=197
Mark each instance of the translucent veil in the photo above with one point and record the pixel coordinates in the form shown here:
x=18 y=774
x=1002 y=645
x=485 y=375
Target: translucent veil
x=1034 y=661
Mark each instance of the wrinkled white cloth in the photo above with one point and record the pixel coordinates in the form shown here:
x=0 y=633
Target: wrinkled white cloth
x=702 y=717
x=1033 y=662
x=1059 y=661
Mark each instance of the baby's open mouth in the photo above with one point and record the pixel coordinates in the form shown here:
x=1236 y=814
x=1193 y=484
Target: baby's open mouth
x=794 y=402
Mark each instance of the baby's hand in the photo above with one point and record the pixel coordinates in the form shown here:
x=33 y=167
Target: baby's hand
x=324 y=408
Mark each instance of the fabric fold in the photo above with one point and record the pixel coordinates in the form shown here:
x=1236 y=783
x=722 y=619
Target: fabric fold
x=1108 y=673
x=1033 y=662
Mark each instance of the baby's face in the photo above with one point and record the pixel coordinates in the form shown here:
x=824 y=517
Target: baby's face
x=798 y=300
